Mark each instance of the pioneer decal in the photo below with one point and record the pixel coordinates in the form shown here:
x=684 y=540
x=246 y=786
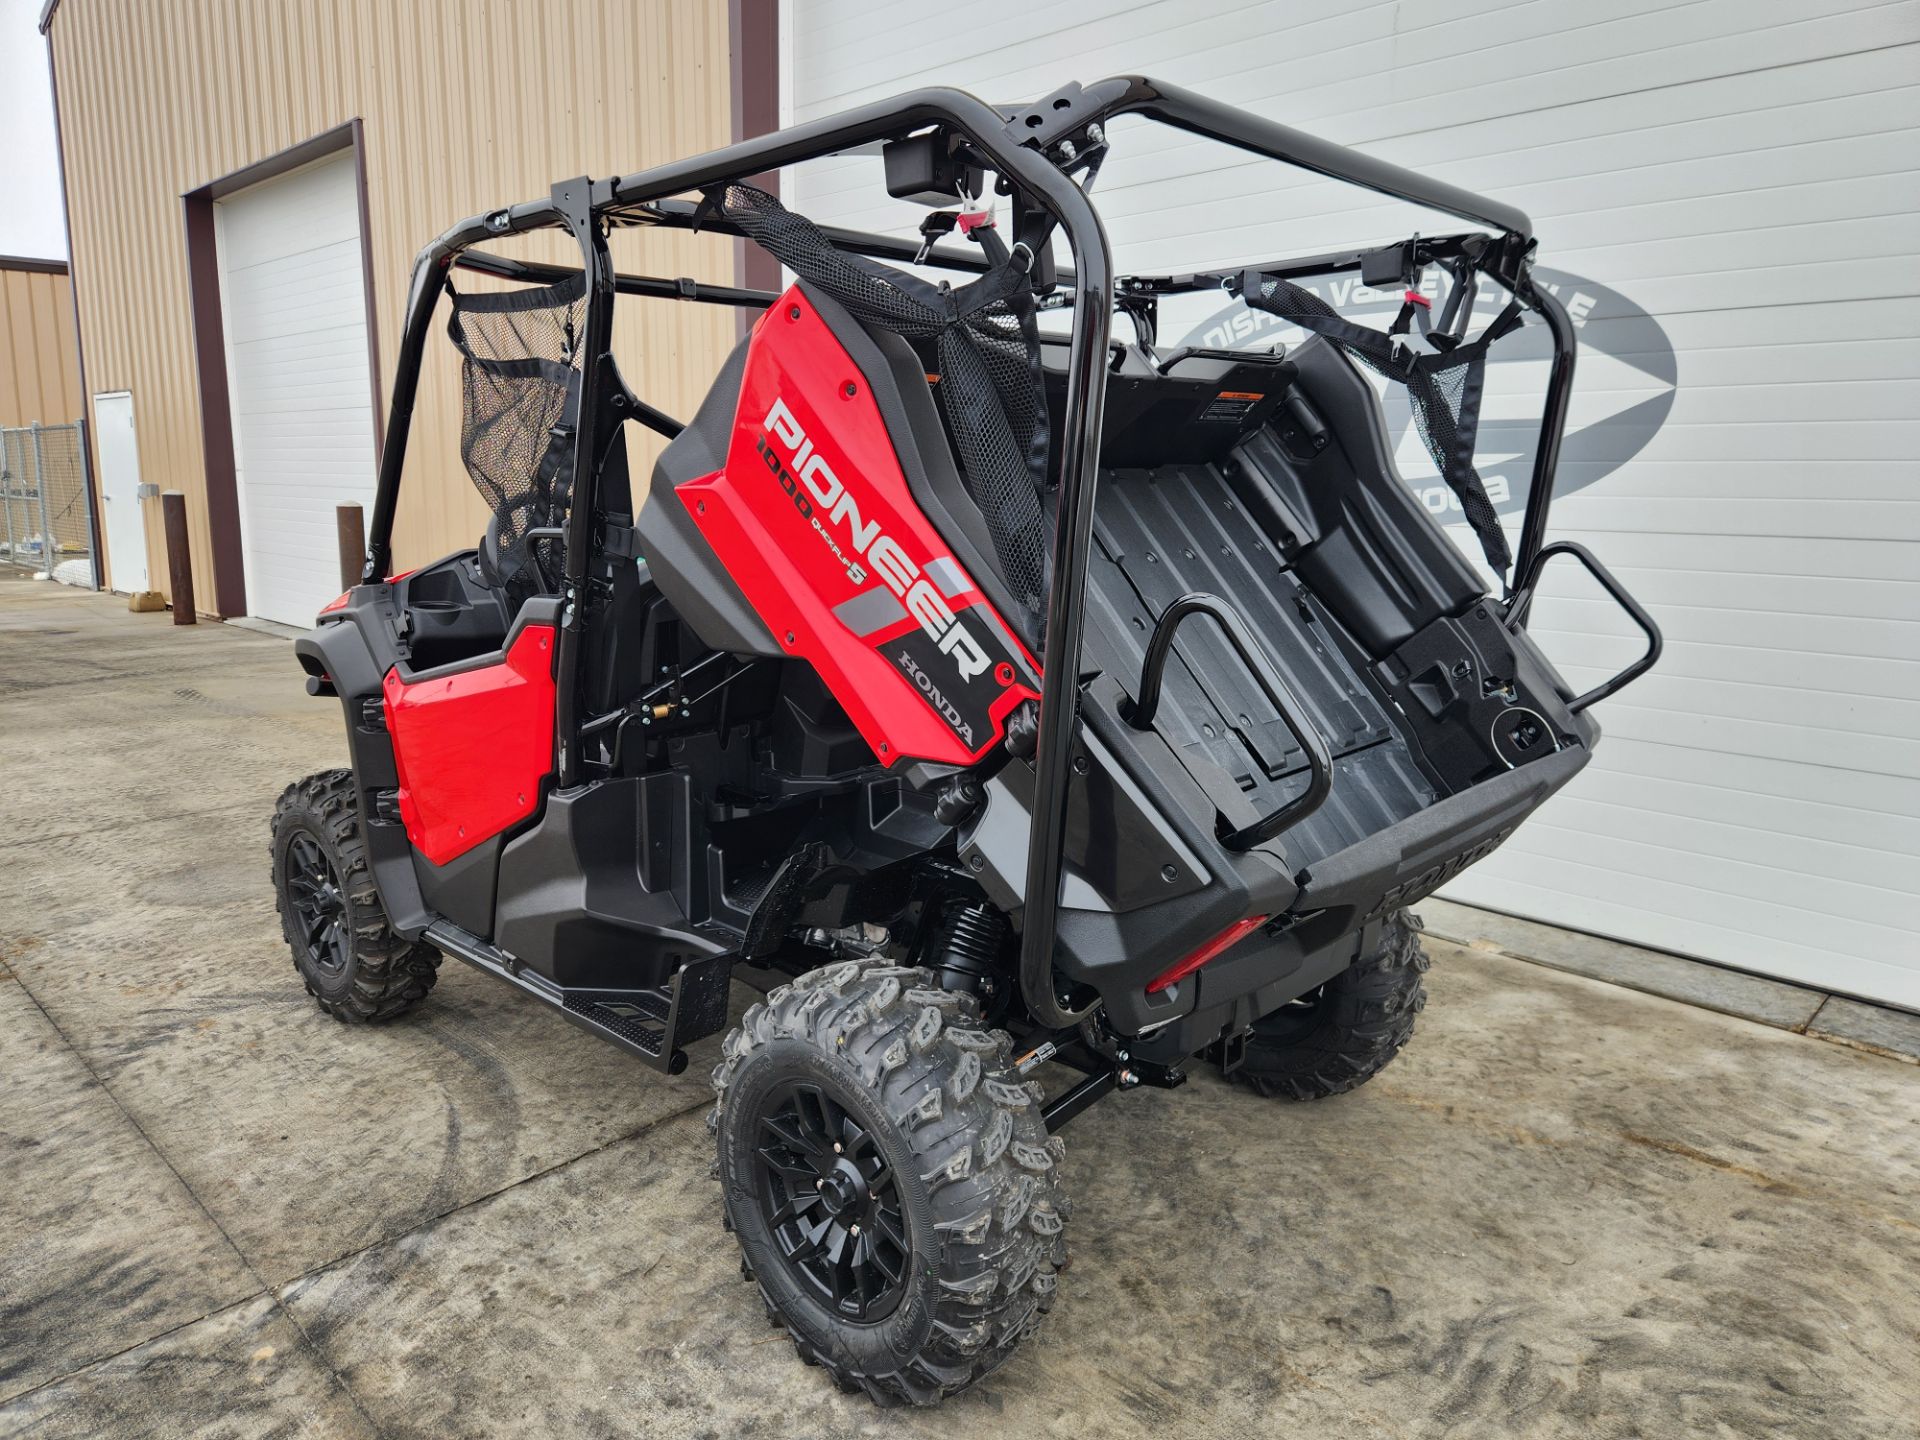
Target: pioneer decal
x=817 y=492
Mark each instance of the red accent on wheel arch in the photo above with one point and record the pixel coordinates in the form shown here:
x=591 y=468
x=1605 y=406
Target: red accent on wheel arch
x=789 y=574
x=472 y=748
x=1218 y=945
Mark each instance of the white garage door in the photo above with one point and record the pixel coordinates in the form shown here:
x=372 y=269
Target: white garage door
x=1729 y=193
x=294 y=298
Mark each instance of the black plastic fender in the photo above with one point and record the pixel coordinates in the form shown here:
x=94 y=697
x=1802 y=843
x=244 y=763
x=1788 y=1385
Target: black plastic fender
x=340 y=649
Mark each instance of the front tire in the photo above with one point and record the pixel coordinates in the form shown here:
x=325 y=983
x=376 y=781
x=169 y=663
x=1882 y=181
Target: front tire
x=1343 y=1034
x=890 y=1181
x=353 y=964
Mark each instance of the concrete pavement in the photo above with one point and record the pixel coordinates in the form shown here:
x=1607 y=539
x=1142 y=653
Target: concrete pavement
x=1569 y=1209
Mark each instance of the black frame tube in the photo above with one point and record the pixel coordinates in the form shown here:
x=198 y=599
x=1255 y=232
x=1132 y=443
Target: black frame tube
x=1013 y=144
x=1553 y=423
x=1080 y=1097
x=1295 y=267
x=1201 y=115
x=685 y=215
x=423 y=295
x=656 y=287
x=575 y=201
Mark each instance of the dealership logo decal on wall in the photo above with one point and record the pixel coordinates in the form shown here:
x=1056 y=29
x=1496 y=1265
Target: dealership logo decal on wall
x=1624 y=355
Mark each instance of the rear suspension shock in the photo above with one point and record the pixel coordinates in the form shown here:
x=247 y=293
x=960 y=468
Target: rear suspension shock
x=967 y=948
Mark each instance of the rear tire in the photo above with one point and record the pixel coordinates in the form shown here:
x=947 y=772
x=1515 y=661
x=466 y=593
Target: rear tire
x=1343 y=1034
x=941 y=1160
x=353 y=965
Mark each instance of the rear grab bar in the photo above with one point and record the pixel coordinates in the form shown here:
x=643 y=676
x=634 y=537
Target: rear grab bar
x=1140 y=712
x=1523 y=598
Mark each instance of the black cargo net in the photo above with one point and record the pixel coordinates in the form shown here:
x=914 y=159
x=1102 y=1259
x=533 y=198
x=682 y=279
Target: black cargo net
x=988 y=353
x=520 y=387
x=1444 y=388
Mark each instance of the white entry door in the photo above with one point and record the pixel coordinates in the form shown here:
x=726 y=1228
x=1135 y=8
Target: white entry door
x=293 y=296
x=125 y=528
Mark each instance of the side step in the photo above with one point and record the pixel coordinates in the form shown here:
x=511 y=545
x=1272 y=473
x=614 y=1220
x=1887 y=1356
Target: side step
x=656 y=1024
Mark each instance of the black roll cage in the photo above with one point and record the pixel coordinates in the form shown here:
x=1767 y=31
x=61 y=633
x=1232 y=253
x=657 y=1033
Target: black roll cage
x=1035 y=150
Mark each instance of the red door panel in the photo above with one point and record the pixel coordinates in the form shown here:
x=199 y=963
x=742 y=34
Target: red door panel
x=472 y=748
x=816 y=524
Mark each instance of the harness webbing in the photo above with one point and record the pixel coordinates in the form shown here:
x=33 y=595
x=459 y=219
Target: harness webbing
x=1445 y=387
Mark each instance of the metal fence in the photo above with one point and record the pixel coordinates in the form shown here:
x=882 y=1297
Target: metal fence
x=46 y=505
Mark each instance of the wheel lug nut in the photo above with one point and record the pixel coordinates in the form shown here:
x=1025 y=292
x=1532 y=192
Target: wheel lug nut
x=836 y=1147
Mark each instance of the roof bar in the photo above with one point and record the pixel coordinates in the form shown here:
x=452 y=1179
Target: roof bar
x=653 y=286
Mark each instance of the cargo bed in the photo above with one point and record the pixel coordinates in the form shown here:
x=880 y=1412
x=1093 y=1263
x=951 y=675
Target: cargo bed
x=1166 y=532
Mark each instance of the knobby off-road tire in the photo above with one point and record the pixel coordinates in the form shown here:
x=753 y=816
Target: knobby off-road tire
x=353 y=964
x=935 y=1099
x=1347 y=1031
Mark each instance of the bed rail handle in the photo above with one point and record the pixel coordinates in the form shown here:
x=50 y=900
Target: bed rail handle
x=1141 y=711
x=1523 y=599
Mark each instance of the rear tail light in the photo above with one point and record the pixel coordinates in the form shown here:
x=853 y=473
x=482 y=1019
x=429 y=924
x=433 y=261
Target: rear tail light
x=1219 y=944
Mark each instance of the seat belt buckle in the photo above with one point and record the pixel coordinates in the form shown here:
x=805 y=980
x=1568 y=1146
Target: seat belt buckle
x=936 y=225
x=1412 y=304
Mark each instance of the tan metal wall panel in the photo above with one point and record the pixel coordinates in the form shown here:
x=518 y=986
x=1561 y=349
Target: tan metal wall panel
x=466 y=105
x=39 y=367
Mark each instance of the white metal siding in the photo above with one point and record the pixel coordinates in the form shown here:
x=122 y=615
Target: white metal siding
x=293 y=293
x=1745 y=171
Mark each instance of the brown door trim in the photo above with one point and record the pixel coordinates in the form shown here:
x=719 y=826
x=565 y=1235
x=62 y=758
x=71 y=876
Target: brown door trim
x=210 y=343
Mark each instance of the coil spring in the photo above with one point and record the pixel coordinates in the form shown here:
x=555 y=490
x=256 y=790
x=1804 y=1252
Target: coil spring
x=966 y=944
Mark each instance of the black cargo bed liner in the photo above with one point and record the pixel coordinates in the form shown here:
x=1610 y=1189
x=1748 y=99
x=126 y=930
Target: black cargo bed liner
x=1163 y=532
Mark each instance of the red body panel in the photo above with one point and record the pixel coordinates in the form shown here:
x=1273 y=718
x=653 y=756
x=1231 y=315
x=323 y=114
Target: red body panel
x=815 y=523
x=472 y=748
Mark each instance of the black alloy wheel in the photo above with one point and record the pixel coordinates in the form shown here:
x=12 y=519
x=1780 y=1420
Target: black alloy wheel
x=352 y=962
x=832 y=1203
x=890 y=1179
x=319 y=905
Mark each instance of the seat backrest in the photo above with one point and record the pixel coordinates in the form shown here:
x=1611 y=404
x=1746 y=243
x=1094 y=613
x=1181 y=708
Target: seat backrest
x=922 y=444
x=982 y=339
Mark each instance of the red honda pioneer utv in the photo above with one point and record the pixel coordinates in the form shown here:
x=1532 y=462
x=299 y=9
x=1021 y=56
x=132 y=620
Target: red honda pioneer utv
x=882 y=696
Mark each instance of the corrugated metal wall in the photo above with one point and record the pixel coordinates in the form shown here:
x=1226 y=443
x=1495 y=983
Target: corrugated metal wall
x=467 y=105
x=1744 y=172
x=39 y=367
